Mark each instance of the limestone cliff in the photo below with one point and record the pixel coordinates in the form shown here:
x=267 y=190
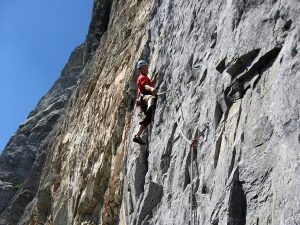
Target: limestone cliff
x=229 y=74
x=21 y=162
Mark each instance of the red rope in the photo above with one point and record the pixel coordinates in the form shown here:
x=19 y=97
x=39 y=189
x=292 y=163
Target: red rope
x=194 y=145
x=195 y=141
x=115 y=173
x=104 y=213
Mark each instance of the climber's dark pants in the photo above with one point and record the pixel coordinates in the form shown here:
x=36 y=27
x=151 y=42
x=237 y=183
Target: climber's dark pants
x=148 y=105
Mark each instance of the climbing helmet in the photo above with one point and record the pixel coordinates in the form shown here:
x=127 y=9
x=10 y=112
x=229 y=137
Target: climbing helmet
x=141 y=63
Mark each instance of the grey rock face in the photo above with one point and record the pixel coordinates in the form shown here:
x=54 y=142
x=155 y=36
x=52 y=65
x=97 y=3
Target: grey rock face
x=22 y=148
x=27 y=157
x=22 y=160
x=235 y=66
x=98 y=25
x=7 y=191
x=230 y=70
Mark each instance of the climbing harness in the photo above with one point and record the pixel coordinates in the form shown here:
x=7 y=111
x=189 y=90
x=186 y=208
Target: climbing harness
x=193 y=146
x=111 y=188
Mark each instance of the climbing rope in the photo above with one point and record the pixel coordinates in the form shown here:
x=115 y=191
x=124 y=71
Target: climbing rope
x=116 y=171
x=112 y=186
x=164 y=92
x=182 y=134
x=193 y=146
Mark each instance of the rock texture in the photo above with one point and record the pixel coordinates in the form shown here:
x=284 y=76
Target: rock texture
x=21 y=162
x=230 y=70
x=235 y=66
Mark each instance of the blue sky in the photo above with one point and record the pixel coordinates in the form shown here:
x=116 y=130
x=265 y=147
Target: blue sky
x=36 y=39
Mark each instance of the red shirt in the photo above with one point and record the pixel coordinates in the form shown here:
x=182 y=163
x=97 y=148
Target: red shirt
x=141 y=82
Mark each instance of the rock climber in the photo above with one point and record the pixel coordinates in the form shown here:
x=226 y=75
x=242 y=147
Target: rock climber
x=147 y=97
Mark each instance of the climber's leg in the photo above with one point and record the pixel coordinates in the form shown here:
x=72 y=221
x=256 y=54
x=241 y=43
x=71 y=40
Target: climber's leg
x=141 y=129
x=137 y=138
x=149 y=101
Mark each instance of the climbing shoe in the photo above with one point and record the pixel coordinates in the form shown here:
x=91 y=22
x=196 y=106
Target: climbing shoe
x=138 y=140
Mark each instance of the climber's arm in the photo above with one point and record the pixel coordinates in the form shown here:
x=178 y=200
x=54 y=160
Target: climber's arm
x=151 y=89
x=154 y=79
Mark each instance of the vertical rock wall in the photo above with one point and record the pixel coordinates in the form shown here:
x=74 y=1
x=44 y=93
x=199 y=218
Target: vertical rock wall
x=81 y=181
x=22 y=160
x=229 y=70
x=233 y=65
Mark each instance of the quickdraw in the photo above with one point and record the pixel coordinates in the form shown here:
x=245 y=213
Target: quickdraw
x=193 y=145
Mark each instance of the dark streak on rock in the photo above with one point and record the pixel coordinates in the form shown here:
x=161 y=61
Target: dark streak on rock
x=221 y=65
x=237 y=209
x=241 y=63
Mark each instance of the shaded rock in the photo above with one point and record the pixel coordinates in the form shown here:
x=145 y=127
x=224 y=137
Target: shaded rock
x=152 y=197
x=7 y=191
